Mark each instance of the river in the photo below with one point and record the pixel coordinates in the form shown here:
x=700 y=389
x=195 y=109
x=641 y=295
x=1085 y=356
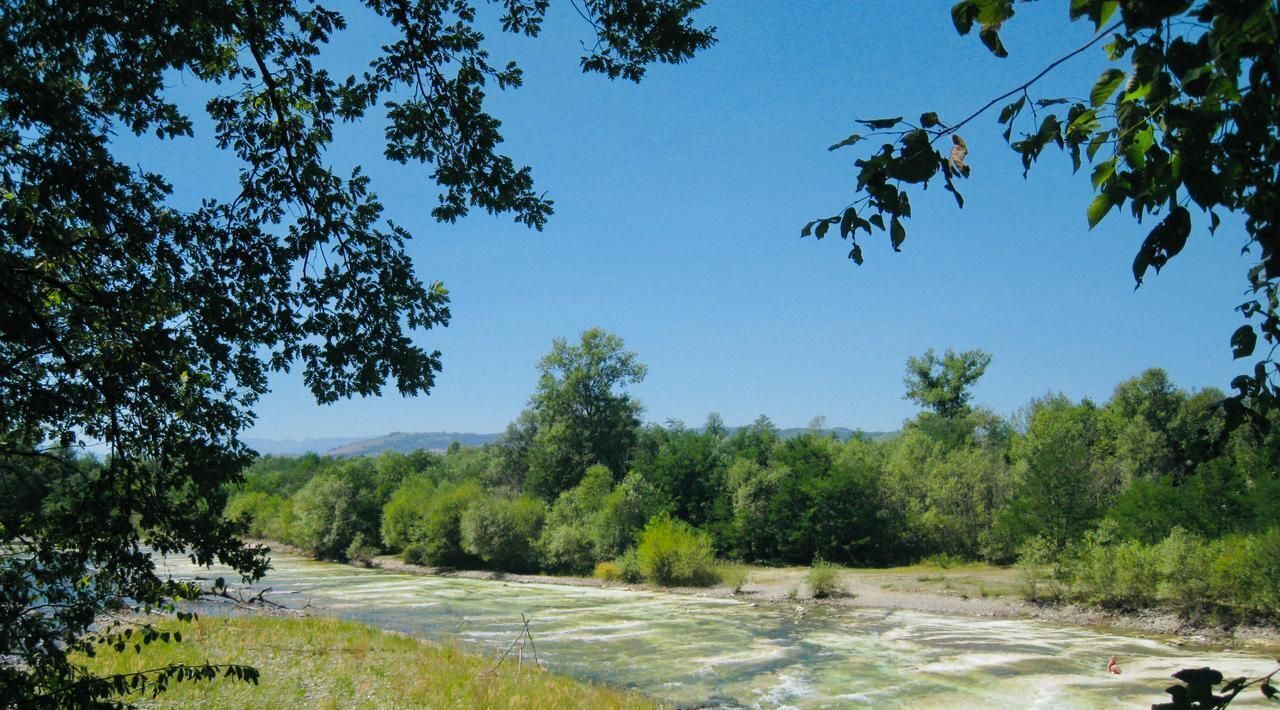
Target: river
x=692 y=650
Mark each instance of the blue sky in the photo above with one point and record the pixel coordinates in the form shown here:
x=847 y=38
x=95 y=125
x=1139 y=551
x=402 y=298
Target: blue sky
x=678 y=208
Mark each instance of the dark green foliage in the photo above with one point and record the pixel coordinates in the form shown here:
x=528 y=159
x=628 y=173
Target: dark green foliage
x=1054 y=496
x=436 y=539
x=623 y=514
x=402 y=515
x=755 y=442
x=1185 y=120
x=1214 y=501
x=581 y=416
x=326 y=517
x=687 y=469
x=502 y=532
x=943 y=384
x=570 y=541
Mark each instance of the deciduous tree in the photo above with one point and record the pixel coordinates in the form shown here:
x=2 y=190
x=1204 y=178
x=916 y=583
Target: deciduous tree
x=584 y=416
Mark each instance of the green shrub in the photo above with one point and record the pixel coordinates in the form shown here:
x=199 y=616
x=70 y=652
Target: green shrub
x=942 y=560
x=1124 y=575
x=623 y=514
x=629 y=566
x=733 y=576
x=1040 y=570
x=607 y=572
x=824 y=579
x=1184 y=562
x=405 y=511
x=503 y=532
x=437 y=538
x=570 y=541
x=327 y=519
x=360 y=552
x=672 y=552
x=264 y=515
x=567 y=549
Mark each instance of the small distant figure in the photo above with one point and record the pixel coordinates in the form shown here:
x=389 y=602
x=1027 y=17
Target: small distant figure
x=1112 y=667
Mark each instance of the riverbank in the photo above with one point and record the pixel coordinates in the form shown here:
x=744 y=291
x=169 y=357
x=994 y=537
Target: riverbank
x=318 y=662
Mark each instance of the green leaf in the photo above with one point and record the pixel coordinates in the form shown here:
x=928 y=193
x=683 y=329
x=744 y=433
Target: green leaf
x=846 y=222
x=1104 y=14
x=963 y=14
x=1095 y=144
x=1139 y=143
x=856 y=254
x=808 y=229
x=1139 y=91
x=1102 y=171
x=1099 y=208
x=1107 y=83
x=929 y=120
x=879 y=124
x=854 y=138
x=897 y=234
x=990 y=36
x=1008 y=113
x=1243 y=341
x=823 y=226
x=1163 y=243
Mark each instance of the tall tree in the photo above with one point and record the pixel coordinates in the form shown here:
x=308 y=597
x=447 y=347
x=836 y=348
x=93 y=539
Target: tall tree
x=584 y=416
x=943 y=384
x=1186 y=118
x=151 y=329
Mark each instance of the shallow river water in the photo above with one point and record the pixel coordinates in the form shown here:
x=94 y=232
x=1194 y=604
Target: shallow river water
x=695 y=650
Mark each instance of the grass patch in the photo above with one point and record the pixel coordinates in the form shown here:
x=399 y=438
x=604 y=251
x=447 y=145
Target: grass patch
x=325 y=663
x=824 y=579
x=733 y=576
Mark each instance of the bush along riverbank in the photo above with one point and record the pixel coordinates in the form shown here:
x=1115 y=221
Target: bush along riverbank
x=316 y=662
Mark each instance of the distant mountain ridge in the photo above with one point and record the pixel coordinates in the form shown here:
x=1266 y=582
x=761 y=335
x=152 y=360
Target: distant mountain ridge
x=297 y=447
x=408 y=442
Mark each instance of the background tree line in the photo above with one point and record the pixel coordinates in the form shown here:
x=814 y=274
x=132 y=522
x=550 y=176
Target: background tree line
x=1062 y=485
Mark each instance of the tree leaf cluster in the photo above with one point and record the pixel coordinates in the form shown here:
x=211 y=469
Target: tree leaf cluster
x=1184 y=121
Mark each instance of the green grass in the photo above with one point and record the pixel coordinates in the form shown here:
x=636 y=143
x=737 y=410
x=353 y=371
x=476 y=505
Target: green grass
x=325 y=663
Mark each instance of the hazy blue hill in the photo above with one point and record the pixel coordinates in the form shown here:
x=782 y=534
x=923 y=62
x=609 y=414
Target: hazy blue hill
x=408 y=442
x=297 y=447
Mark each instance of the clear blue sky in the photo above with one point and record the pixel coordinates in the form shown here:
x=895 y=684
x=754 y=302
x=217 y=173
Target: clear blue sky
x=678 y=208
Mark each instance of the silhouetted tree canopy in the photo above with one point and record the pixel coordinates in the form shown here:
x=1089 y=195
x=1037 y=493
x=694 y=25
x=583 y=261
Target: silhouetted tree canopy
x=1184 y=122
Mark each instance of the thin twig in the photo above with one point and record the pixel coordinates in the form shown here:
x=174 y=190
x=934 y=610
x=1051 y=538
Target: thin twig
x=1027 y=84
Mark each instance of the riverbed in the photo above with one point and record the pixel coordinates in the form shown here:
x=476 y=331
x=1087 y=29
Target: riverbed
x=728 y=652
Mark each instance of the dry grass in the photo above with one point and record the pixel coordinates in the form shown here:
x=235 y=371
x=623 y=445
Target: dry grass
x=325 y=663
